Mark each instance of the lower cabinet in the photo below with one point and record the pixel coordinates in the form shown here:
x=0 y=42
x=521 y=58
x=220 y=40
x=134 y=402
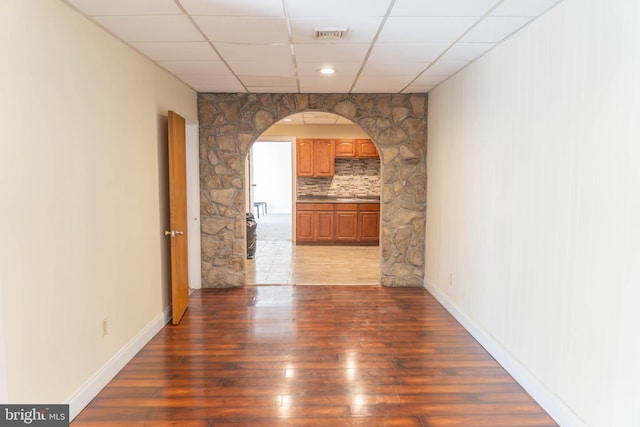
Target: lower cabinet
x=340 y=223
x=314 y=222
x=346 y=216
x=369 y=222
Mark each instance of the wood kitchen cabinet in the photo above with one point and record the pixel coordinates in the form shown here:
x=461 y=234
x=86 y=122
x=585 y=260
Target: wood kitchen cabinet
x=345 y=147
x=314 y=222
x=369 y=222
x=366 y=148
x=315 y=157
x=338 y=223
x=346 y=218
x=355 y=148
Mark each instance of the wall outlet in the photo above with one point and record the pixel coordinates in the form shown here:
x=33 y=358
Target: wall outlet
x=105 y=327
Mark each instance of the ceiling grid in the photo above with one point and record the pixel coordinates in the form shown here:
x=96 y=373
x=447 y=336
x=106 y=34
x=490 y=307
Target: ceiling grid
x=268 y=46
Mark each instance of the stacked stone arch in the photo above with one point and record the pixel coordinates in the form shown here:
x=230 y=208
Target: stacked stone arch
x=230 y=123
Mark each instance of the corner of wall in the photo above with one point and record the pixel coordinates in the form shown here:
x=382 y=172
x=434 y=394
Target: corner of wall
x=555 y=407
x=90 y=389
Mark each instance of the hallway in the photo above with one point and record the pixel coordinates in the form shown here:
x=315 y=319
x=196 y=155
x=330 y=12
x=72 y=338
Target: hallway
x=313 y=356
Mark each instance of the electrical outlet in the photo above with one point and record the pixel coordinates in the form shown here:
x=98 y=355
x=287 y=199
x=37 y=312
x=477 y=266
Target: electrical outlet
x=105 y=327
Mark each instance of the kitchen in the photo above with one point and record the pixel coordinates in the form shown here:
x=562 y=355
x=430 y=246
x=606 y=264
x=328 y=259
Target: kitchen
x=334 y=211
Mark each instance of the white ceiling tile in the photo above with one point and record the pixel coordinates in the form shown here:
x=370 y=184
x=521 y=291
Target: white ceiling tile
x=494 y=29
x=409 y=52
x=195 y=67
x=441 y=68
x=268 y=81
x=359 y=30
x=203 y=83
x=466 y=51
x=312 y=68
x=234 y=7
x=126 y=7
x=273 y=89
x=321 y=84
x=387 y=84
x=177 y=51
x=418 y=88
x=156 y=28
x=238 y=29
x=429 y=80
x=523 y=7
x=424 y=30
x=330 y=53
x=280 y=68
x=390 y=69
x=442 y=8
x=254 y=53
x=337 y=8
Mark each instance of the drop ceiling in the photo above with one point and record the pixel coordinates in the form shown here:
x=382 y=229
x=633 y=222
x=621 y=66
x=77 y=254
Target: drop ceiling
x=268 y=46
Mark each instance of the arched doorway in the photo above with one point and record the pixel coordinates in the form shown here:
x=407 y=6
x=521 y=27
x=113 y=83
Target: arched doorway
x=279 y=259
x=230 y=123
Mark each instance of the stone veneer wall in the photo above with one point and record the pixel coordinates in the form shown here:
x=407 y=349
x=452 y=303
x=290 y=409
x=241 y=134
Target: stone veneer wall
x=230 y=123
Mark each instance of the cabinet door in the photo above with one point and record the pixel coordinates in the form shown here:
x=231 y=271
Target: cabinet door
x=369 y=222
x=366 y=148
x=324 y=226
x=345 y=147
x=324 y=157
x=304 y=157
x=305 y=226
x=346 y=226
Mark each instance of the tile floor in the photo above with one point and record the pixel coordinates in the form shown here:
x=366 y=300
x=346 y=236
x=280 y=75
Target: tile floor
x=279 y=262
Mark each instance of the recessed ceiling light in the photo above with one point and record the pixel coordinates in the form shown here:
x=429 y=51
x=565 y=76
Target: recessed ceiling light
x=327 y=71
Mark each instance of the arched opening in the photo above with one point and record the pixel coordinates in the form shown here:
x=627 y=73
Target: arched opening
x=352 y=192
x=230 y=123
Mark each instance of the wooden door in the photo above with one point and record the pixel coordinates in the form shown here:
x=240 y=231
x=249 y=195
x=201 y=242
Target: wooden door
x=178 y=216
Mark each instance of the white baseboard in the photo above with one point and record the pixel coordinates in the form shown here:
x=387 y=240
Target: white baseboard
x=560 y=412
x=90 y=389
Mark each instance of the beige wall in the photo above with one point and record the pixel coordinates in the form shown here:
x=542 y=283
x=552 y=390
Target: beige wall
x=533 y=203
x=316 y=131
x=83 y=205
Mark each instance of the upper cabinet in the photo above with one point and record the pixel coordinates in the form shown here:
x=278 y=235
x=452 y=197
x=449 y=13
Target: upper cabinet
x=366 y=148
x=356 y=148
x=315 y=157
x=345 y=147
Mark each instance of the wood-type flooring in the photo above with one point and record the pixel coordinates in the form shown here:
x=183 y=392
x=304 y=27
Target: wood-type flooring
x=313 y=356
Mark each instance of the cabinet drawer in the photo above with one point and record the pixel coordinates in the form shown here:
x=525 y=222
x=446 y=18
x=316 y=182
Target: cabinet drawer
x=346 y=207
x=369 y=207
x=314 y=206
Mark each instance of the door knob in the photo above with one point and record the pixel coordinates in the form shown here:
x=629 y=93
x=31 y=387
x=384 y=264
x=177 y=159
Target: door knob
x=170 y=233
x=179 y=232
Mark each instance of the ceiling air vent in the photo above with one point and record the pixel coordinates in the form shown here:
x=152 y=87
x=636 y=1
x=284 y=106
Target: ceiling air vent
x=329 y=33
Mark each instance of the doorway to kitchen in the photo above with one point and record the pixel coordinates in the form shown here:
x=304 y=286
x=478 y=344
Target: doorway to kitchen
x=273 y=192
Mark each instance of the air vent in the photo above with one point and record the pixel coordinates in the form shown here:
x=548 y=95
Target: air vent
x=331 y=33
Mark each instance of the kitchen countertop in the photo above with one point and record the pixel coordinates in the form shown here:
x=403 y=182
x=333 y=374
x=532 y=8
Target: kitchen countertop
x=338 y=199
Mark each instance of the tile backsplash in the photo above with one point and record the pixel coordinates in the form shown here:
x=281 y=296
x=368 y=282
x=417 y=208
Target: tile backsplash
x=352 y=177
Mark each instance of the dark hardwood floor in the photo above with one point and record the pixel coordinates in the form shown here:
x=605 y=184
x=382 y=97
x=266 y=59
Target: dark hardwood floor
x=313 y=356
